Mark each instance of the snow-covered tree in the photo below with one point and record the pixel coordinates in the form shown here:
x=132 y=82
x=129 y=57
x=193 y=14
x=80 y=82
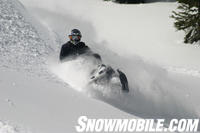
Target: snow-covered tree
x=187 y=18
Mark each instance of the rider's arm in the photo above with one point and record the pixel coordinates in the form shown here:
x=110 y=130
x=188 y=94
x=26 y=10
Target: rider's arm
x=65 y=51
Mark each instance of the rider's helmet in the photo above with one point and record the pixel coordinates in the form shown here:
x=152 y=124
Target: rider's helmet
x=75 y=36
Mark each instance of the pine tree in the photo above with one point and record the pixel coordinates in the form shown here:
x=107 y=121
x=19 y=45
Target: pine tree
x=188 y=19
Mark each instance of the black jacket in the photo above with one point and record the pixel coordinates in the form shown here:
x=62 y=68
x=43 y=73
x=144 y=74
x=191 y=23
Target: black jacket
x=69 y=49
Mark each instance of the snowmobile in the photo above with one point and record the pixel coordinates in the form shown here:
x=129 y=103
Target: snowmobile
x=104 y=74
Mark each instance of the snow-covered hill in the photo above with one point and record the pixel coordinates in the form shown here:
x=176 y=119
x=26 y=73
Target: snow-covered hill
x=31 y=100
x=147 y=80
x=32 y=96
x=21 y=44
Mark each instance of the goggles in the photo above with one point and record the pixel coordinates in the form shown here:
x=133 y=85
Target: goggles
x=74 y=37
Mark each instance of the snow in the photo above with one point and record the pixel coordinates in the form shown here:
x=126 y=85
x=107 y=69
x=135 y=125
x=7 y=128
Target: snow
x=5 y=128
x=31 y=98
x=43 y=105
x=16 y=36
x=148 y=33
x=39 y=94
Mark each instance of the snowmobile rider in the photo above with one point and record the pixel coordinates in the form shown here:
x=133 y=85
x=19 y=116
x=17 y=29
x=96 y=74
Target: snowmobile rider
x=74 y=46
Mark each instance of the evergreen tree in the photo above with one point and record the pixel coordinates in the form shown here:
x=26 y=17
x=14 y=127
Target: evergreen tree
x=188 y=19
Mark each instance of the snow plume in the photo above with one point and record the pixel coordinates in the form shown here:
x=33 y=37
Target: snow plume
x=75 y=72
x=72 y=73
x=152 y=93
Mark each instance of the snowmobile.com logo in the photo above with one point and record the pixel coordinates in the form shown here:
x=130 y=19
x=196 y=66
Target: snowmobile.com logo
x=135 y=125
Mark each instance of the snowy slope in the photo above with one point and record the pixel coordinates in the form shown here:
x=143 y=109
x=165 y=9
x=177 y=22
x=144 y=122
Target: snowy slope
x=150 y=84
x=40 y=105
x=43 y=102
x=32 y=100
